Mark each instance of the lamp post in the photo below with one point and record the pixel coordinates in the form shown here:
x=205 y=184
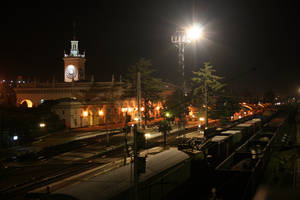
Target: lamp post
x=180 y=40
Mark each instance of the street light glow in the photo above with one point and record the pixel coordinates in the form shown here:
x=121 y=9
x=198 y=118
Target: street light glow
x=194 y=32
x=85 y=113
x=42 y=125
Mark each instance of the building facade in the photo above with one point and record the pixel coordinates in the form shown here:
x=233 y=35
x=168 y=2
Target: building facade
x=81 y=102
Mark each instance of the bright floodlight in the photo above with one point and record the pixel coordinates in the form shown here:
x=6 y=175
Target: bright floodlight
x=15 y=138
x=194 y=32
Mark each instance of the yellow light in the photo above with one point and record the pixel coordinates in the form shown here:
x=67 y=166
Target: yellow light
x=136 y=119
x=42 y=125
x=167 y=114
x=29 y=103
x=201 y=119
x=100 y=112
x=124 y=109
x=129 y=109
x=142 y=108
x=85 y=113
x=157 y=108
x=147 y=135
x=194 y=32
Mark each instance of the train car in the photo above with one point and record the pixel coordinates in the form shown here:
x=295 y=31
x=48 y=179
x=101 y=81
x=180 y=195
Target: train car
x=256 y=121
x=218 y=148
x=236 y=137
x=256 y=124
x=240 y=173
x=246 y=130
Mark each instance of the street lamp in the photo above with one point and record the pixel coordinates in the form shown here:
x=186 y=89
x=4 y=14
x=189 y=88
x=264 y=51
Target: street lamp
x=42 y=125
x=180 y=40
x=195 y=32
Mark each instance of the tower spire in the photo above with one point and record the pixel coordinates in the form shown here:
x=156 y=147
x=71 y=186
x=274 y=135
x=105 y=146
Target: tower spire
x=74 y=62
x=74 y=43
x=74 y=30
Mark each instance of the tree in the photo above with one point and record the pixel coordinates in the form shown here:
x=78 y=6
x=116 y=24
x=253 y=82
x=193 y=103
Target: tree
x=176 y=105
x=206 y=86
x=151 y=87
x=164 y=127
x=224 y=107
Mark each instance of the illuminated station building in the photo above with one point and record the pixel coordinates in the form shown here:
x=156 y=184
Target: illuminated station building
x=81 y=102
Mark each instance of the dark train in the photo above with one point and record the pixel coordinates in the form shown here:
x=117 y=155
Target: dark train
x=239 y=175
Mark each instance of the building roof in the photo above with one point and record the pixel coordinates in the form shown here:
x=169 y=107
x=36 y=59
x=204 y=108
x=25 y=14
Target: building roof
x=232 y=132
x=244 y=125
x=105 y=186
x=219 y=138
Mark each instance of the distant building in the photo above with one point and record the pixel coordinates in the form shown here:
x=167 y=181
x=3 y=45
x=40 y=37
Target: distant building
x=81 y=102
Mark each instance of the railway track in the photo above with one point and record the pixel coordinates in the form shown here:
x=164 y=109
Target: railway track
x=18 y=191
x=57 y=172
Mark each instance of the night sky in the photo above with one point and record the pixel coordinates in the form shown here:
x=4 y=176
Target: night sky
x=253 y=44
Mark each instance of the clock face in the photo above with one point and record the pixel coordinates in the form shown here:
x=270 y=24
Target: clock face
x=71 y=71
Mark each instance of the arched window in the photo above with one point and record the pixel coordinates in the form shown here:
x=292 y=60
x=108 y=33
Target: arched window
x=27 y=102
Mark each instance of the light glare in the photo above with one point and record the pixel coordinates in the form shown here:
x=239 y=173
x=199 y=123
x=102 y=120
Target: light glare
x=42 y=125
x=194 y=32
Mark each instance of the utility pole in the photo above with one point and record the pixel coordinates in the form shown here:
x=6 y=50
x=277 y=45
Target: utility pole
x=206 y=102
x=139 y=97
x=126 y=152
x=106 y=126
x=135 y=167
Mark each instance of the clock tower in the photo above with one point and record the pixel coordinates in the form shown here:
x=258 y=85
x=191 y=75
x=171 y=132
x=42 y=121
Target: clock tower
x=74 y=64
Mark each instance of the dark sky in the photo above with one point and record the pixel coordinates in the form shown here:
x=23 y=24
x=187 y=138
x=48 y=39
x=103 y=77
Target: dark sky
x=239 y=36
